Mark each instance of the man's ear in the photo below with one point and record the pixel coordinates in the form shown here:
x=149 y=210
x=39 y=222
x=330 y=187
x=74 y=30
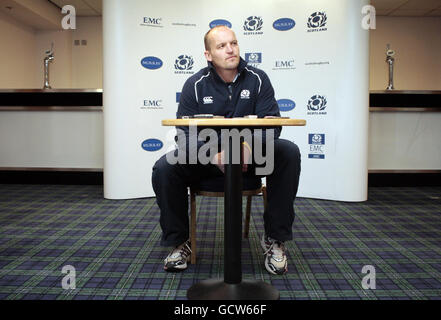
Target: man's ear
x=208 y=56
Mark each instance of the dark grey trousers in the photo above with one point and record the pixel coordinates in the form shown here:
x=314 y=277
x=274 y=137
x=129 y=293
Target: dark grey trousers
x=170 y=183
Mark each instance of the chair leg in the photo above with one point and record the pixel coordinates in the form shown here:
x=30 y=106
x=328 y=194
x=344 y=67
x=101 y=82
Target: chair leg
x=265 y=202
x=247 y=218
x=193 y=226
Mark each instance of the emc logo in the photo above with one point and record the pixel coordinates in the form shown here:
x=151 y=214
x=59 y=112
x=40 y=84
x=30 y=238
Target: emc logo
x=152 y=103
x=152 y=22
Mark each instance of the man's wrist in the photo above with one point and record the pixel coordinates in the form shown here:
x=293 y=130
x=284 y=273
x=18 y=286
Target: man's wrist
x=247 y=146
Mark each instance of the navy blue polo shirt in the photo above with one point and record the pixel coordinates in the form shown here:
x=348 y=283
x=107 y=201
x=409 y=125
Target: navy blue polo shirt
x=251 y=93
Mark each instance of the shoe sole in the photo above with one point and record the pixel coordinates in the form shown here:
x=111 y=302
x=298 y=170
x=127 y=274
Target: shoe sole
x=184 y=267
x=174 y=270
x=280 y=273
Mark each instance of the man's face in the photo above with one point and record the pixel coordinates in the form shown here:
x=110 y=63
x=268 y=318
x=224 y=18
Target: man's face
x=224 y=49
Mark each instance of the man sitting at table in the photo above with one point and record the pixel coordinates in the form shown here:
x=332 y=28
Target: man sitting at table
x=227 y=87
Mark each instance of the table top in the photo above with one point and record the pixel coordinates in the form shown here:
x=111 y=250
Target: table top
x=234 y=122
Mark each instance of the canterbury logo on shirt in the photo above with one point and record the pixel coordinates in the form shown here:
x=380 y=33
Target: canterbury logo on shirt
x=208 y=100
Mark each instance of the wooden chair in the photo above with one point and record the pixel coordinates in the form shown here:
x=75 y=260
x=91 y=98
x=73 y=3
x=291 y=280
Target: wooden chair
x=215 y=188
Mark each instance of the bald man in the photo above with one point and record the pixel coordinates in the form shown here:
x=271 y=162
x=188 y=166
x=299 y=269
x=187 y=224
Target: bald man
x=227 y=87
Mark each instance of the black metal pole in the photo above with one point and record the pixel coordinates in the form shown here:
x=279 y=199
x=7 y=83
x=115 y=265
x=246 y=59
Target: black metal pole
x=233 y=219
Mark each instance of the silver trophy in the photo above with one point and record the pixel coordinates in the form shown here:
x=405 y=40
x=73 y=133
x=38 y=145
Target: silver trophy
x=49 y=58
x=390 y=61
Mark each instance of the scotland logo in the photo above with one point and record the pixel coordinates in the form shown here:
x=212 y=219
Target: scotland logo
x=317 y=22
x=183 y=64
x=284 y=24
x=316 y=139
x=316 y=143
x=286 y=105
x=151 y=63
x=245 y=94
x=254 y=58
x=317 y=105
x=253 y=25
x=152 y=145
x=220 y=22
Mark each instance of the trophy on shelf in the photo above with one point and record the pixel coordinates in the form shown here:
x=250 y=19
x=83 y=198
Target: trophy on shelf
x=48 y=59
x=390 y=61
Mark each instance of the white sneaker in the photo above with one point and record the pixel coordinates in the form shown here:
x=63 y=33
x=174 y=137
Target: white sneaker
x=275 y=257
x=177 y=259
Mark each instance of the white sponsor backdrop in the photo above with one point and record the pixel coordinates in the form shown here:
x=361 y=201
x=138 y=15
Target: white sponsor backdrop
x=321 y=65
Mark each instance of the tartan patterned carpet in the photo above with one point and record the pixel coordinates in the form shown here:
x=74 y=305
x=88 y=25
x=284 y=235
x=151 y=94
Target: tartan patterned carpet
x=114 y=246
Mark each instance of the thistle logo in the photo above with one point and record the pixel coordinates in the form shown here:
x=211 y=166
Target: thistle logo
x=245 y=94
x=316 y=143
x=317 y=105
x=254 y=58
x=152 y=145
x=151 y=63
x=253 y=25
x=184 y=64
x=286 y=105
x=152 y=22
x=317 y=22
